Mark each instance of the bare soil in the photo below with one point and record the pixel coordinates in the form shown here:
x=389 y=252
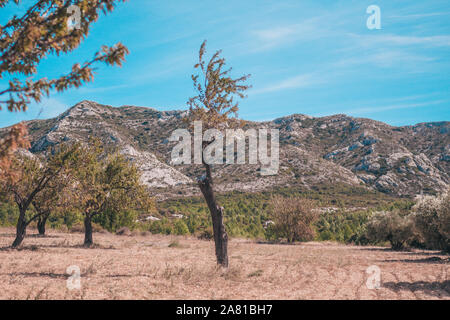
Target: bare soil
x=167 y=267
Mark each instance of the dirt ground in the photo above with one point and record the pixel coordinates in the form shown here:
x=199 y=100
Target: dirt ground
x=166 y=267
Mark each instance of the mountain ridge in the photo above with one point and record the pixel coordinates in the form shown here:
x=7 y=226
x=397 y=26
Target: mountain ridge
x=398 y=160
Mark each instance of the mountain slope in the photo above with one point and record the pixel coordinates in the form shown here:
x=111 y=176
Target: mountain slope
x=338 y=149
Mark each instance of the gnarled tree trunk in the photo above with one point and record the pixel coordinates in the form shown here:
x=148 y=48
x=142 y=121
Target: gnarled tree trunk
x=21 y=229
x=88 y=230
x=220 y=234
x=42 y=220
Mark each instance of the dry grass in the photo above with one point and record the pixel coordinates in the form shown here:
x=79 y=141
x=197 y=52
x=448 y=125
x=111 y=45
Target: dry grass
x=165 y=267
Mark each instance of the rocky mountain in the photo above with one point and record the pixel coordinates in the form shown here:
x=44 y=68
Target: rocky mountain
x=337 y=149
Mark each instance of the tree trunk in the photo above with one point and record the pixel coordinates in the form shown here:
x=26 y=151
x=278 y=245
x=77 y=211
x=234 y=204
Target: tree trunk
x=21 y=229
x=88 y=231
x=220 y=234
x=41 y=224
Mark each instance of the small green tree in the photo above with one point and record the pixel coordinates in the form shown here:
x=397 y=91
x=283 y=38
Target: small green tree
x=106 y=183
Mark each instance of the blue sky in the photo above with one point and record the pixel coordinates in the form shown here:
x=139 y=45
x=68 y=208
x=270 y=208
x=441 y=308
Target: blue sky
x=311 y=57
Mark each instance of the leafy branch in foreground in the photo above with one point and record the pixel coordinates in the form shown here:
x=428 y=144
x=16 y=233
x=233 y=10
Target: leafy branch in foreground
x=44 y=30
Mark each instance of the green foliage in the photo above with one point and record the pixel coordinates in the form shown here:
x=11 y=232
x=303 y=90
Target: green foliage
x=67 y=217
x=215 y=101
x=112 y=220
x=246 y=213
x=391 y=226
x=163 y=226
x=180 y=227
x=342 y=226
x=9 y=214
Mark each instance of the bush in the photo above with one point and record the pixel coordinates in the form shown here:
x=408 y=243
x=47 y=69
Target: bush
x=292 y=218
x=8 y=214
x=162 y=226
x=180 y=228
x=206 y=234
x=112 y=220
x=392 y=226
x=432 y=219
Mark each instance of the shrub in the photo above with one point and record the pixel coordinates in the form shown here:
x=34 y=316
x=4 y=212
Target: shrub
x=180 y=227
x=113 y=220
x=206 y=234
x=162 y=226
x=432 y=219
x=8 y=214
x=292 y=218
x=393 y=227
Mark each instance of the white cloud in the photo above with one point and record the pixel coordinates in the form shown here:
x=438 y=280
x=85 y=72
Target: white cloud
x=392 y=39
x=419 y=15
x=365 y=110
x=386 y=58
x=414 y=40
x=280 y=35
x=299 y=81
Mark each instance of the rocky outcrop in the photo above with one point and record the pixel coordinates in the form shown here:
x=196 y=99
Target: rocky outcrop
x=335 y=149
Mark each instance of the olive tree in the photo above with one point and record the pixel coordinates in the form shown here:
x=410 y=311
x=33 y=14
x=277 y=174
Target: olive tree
x=105 y=183
x=391 y=226
x=431 y=215
x=34 y=176
x=53 y=198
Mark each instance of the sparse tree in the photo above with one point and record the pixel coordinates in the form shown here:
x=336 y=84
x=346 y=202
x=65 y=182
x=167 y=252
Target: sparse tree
x=292 y=218
x=215 y=107
x=45 y=29
x=106 y=183
x=34 y=176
